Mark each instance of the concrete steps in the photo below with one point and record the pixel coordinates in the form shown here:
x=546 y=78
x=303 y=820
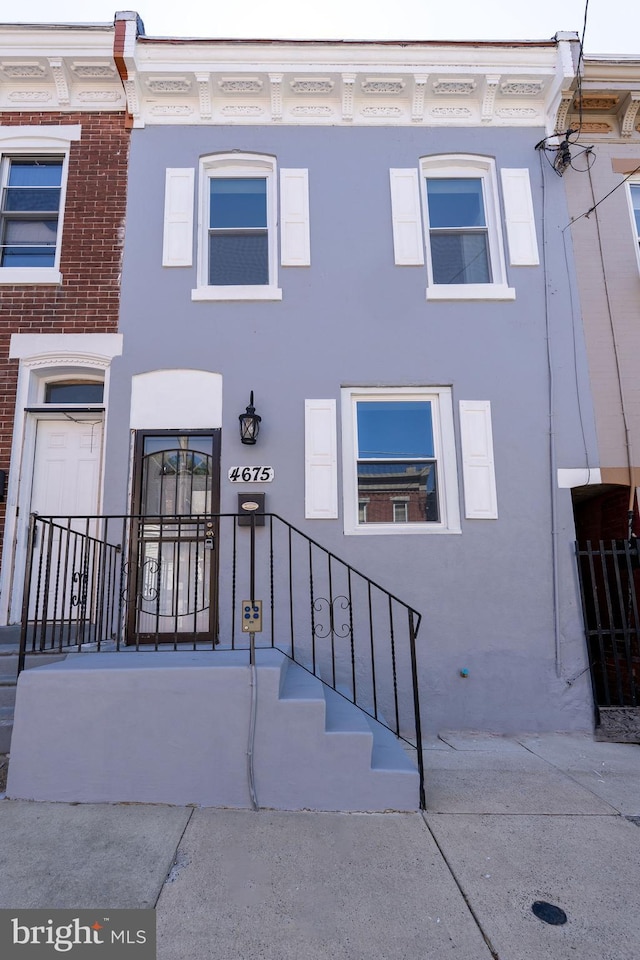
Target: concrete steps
x=171 y=727
x=9 y=650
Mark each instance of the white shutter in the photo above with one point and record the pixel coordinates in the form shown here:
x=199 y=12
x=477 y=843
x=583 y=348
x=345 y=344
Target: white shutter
x=476 y=439
x=295 y=246
x=177 y=245
x=518 y=212
x=321 y=475
x=408 y=245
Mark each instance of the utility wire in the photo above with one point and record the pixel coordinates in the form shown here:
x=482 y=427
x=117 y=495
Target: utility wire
x=602 y=199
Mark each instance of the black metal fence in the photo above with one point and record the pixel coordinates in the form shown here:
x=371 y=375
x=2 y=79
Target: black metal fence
x=115 y=583
x=608 y=573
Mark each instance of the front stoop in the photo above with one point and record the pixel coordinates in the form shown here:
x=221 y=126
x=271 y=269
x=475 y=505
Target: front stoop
x=9 y=652
x=173 y=728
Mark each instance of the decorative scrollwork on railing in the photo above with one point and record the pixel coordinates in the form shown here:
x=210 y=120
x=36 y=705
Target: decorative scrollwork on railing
x=79 y=598
x=334 y=627
x=147 y=582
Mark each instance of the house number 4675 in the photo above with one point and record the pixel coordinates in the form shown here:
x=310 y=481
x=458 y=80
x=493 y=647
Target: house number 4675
x=251 y=474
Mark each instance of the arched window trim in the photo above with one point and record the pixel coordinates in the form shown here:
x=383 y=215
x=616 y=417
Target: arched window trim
x=237 y=165
x=444 y=166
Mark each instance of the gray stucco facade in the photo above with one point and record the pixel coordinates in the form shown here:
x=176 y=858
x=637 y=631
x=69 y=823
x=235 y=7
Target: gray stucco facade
x=353 y=318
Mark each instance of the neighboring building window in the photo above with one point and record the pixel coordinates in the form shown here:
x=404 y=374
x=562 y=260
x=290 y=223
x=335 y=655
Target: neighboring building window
x=238 y=240
x=465 y=253
x=399 y=461
x=34 y=162
x=634 y=192
x=400 y=511
x=29 y=210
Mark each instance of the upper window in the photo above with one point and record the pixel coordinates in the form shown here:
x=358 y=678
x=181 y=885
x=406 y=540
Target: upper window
x=33 y=172
x=238 y=231
x=634 y=192
x=458 y=230
x=29 y=208
x=238 y=240
x=400 y=468
x=465 y=255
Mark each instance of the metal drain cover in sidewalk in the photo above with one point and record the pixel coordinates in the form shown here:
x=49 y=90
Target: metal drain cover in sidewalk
x=549 y=912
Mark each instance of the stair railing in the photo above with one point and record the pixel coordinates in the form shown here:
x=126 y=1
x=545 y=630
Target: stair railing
x=128 y=582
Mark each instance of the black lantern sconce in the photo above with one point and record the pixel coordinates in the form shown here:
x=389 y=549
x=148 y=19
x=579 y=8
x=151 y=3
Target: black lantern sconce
x=249 y=423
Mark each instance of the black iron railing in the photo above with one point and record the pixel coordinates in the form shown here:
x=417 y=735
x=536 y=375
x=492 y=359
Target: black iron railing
x=608 y=573
x=110 y=583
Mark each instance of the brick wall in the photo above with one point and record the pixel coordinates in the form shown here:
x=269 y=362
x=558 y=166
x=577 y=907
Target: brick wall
x=92 y=238
x=604 y=517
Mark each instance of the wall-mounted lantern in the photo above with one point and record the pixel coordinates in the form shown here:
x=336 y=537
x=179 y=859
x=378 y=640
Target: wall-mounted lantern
x=249 y=423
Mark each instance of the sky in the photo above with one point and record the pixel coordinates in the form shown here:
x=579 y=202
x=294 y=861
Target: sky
x=613 y=26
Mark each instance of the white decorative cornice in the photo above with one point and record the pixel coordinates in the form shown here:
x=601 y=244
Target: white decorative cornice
x=275 y=79
x=459 y=88
x=419 y=90
x=60 y=80
x=241 y=110
x=562 y=115
x=204 y=96
x=380 y=85
x=311 y=111
x=173 y=81
x=240 y=85
x=457 y=112
x=316 y=86
x=489 y=98
x=396 y=112
x=174 y=85
x=630 y=113
x=513 y=88
x=94 y=71
x=99 y=96
x=171 y=110
x=22 y=71
x=520 y=113
x=30 y=96
x=59 y=68
x=348 y=84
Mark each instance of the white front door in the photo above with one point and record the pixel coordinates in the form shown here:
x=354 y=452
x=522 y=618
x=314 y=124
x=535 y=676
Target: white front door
x=66 y=468
x=66 y=483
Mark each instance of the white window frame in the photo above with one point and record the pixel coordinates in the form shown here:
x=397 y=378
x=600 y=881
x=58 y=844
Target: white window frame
x=39 y=141
x=634 y=182
x=445 y=457
x=452 y=166
x=224 y=166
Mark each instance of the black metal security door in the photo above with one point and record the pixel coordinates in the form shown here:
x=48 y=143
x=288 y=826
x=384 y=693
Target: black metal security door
x=609 y=574
x=172 y=592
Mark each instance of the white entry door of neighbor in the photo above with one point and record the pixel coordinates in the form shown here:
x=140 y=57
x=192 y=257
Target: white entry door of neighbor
x=66 y=468
x=66 y=483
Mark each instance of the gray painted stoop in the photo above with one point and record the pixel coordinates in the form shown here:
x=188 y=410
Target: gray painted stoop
x=9 y=649
x=173 y=727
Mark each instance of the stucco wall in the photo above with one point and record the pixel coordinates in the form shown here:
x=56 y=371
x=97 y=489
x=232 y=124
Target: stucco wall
x=609 y=285
x=354 y=318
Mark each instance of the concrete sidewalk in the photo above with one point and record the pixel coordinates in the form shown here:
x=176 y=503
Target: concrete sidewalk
x=509 y=822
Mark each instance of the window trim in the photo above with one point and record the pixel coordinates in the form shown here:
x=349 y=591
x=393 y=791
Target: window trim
x=452 y=166
x=445 y=457
x=634 y=182
x=50 y=141
x=227 y=165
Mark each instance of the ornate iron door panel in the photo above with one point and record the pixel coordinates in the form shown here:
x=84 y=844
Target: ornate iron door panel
x=173 y=563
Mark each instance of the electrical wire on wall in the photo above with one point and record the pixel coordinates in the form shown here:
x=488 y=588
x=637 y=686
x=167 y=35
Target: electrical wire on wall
x=616 y=353
x=552 y=438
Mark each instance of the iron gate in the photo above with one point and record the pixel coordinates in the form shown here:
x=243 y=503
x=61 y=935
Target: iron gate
x=609 y=574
